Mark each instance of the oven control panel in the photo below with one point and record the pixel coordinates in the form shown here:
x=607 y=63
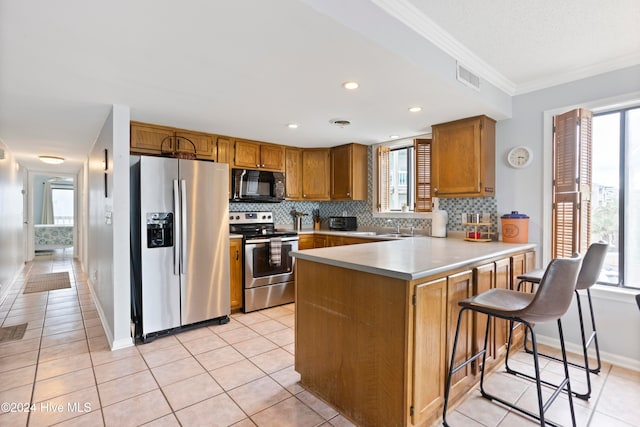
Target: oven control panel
x=250 y=217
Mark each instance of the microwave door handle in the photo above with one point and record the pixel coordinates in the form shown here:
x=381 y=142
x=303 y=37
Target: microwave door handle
x=184 y=216
x=177 y=220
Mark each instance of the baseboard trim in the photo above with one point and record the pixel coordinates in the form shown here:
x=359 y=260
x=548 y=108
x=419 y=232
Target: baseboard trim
x=614 y=359
x=113 y=344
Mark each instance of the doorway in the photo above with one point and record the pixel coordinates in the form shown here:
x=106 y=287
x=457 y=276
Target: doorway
x=52 y=213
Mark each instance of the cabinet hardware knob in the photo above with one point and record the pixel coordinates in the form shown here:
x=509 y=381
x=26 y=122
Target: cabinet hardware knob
x=435 y=190
x=237 y=255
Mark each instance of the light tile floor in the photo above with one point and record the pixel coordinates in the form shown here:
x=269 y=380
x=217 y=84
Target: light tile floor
x=62 y=372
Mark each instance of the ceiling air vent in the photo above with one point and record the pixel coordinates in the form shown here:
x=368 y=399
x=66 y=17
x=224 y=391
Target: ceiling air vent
x=467 y=77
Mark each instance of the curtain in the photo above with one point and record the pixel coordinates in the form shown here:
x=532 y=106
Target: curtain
x=47 y=204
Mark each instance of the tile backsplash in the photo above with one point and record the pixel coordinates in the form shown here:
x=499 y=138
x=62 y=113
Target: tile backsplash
x=362 y=209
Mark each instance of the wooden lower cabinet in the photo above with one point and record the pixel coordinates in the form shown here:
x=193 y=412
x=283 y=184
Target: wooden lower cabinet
x=520 y=264
x=459 y=287
x=489 y=276
x=235 y=273
x=429 y=349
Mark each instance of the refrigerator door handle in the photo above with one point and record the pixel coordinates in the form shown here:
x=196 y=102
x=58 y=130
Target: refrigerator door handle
x=178 y=235
x=183 y=224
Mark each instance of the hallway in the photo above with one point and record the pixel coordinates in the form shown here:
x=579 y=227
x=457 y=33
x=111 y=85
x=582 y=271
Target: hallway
x=62 y=372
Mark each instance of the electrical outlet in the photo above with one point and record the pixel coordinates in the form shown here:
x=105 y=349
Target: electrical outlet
x=94 y=275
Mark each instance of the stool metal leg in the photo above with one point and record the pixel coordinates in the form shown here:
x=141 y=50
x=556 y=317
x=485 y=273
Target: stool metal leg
x=542 y=406
x=453 y=369
x=586 y=344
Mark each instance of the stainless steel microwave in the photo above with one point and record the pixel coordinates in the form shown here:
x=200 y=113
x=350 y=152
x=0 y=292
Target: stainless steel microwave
x=257 y=186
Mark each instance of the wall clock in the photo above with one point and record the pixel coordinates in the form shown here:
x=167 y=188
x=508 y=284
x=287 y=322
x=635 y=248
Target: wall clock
x=520 y=157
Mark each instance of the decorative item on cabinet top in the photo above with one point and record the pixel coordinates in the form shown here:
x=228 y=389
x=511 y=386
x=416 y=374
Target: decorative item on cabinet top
x=175 y=150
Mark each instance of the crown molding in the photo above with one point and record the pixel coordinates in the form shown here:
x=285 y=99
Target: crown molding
x=413 y=18
x=579 y=73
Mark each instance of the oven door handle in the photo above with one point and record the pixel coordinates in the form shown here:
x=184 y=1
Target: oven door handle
x=256 y=241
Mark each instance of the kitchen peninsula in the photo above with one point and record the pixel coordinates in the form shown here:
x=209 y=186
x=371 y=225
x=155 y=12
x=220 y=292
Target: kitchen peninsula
x=375 y=322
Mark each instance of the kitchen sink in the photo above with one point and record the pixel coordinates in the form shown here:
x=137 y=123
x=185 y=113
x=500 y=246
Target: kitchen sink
x=362 y=233
x=397 y=235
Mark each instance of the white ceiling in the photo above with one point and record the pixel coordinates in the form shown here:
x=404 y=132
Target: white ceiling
x=246 y=68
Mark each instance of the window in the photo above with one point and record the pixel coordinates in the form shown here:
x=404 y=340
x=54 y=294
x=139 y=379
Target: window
x=404 y=177
x=596 y=187
x=62 y=200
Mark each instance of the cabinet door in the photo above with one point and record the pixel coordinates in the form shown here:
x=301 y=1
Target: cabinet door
x=293 y=173
x=501 y=327
x=223 y=145
x=272 y=157
x=349 y=168
x=305 y=241
x=463 y=161
x=341 y=172
x=235 y=257
x=148 y=139
x=319 y=241
x=485 y=280
x=316 y=171
x=429 y=349
x=247 y=154
x=518 y=267
x=204 y=144
x=335 y=241
x=459 y=287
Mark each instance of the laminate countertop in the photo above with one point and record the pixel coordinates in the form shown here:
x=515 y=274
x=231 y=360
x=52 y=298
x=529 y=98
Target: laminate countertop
x=411 y=258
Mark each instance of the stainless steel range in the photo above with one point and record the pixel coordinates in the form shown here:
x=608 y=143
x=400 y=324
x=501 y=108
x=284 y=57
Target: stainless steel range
x=268 y=265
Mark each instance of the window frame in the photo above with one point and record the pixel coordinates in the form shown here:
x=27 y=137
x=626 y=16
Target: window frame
x=405 y=142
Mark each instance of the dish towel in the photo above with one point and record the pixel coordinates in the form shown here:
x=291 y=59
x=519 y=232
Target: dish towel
x=275 y=251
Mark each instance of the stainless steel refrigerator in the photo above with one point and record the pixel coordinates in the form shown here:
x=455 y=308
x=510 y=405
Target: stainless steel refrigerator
x=179 y=244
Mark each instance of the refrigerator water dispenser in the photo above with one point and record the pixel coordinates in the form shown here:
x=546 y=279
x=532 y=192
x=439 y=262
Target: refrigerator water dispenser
x=159 y=229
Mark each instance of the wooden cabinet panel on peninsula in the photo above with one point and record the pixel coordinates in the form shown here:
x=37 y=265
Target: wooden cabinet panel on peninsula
x=257 y=155
x=235 y=273
x=154 y=139
x=463 y=158
x=349 y=172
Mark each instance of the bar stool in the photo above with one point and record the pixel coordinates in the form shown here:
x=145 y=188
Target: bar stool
x=588 y=276
x=549 y=303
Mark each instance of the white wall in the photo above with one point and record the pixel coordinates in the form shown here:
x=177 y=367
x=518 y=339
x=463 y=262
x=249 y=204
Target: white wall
x=528 y=190
x=11 y=219
x=108 y=227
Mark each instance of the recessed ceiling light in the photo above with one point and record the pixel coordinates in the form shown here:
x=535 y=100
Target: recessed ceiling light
x=350 y=85
x=292 y=126
x=394 y=136
x=52 y=160
x=415 y=109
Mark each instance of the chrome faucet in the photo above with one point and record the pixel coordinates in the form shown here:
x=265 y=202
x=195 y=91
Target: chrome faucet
x=397 y=225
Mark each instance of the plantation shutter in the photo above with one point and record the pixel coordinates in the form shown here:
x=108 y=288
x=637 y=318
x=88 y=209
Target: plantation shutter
x=384 y=177
x=571 y=183
x=422 y=150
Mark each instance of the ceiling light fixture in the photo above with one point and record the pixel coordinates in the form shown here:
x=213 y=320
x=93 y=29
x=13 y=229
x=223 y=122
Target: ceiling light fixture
x=394 y=136
x=415 y=109
x=52 y=160
x=292 y=126
x=350 y=85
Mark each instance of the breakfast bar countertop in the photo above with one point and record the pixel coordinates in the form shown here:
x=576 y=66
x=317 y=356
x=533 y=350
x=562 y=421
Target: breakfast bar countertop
x=411 y=258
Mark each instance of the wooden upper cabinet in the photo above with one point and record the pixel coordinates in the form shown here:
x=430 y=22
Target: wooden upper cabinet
x=154 y=139
x=255 y=155
x=349 y=172
x=223 y=145
x=463 y=158
x=148 y=139
x=204 y=144
x=293 y=173
x=316 y=171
